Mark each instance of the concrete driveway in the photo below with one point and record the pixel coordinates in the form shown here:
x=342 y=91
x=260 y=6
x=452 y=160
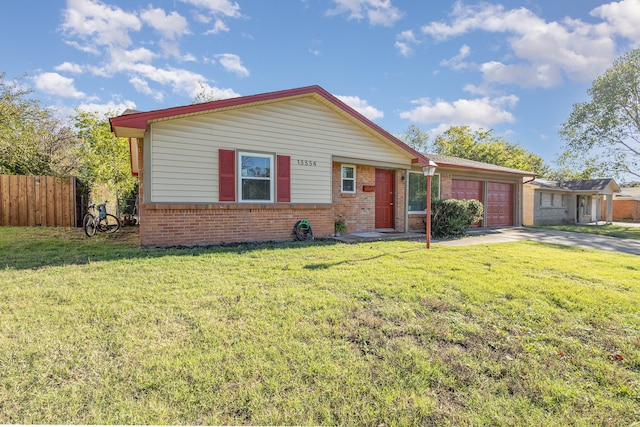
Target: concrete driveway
x=555 y=237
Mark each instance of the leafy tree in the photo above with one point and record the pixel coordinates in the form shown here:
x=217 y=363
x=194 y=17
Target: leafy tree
x=104 y=156
x=32 y=140
x=416 y=138
x=482 y=146
x=605 y=132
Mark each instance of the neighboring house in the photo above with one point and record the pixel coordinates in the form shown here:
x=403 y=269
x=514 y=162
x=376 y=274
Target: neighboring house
x=626 y=205
x=500 y=189
x=569 y=202
x=248 y=168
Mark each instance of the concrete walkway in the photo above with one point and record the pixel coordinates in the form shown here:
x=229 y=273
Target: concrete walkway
x=555 y=237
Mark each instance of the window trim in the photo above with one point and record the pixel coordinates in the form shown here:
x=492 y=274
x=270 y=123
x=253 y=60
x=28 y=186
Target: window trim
x=354 y=179
x=425 y=181
x=271 y=179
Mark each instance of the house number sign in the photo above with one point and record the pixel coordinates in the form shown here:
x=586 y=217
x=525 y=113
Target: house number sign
x=307 y=163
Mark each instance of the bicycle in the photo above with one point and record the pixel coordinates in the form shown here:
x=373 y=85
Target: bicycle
x=103 y=222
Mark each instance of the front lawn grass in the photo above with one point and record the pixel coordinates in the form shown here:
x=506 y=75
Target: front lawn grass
x=620 y=231
x=97 y=331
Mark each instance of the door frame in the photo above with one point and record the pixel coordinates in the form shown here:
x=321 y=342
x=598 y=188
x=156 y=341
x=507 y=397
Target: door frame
x=392 y=199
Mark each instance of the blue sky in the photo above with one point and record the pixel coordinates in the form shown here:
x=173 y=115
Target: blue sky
x=514 y=66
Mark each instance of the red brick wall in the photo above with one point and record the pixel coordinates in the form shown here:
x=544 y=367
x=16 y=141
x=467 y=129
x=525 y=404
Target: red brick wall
x=626 y=210
x=358 y=209
x=165 y=224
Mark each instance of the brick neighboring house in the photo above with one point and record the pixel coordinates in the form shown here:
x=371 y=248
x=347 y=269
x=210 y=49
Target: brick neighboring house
x=248 y=168
x=569 y=202
x=500 y=189
x=626 y=205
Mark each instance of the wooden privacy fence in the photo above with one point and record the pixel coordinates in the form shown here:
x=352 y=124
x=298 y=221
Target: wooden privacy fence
x=38 y=201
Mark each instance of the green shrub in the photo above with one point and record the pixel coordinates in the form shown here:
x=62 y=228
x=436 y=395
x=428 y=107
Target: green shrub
x=452 y=217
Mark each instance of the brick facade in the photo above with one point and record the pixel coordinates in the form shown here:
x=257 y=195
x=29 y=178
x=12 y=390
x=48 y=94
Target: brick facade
x=168 y=224
x=164 y=224
x=626 y=210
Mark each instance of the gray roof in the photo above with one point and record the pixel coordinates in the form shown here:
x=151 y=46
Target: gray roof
x=472 y=164
x=590 y=184
x=629 y=192
x=577 y=185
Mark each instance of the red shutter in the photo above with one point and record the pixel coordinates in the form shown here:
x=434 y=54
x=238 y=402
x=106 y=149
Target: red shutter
x=227 y=175
x=283 y=184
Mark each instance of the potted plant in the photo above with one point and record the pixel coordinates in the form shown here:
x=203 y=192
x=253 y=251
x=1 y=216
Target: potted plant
x=340 y=225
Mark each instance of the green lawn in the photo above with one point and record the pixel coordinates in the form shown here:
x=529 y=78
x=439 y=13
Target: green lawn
x=620 y=231
x=97 y=331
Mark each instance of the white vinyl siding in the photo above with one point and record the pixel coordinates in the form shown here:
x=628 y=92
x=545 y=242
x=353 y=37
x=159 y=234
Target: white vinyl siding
x=184 y=151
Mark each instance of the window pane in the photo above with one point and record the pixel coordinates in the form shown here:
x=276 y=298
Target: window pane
x=254 y=189
x=348 y=185
x=256 y=166
x=435 y=187
x=347 y=172
x=417 y=192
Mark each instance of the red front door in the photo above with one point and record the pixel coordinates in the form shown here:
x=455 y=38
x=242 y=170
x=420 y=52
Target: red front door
x=384 y=198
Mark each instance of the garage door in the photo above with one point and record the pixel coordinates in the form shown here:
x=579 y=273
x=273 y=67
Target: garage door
x=499 y=204
x=467 y=189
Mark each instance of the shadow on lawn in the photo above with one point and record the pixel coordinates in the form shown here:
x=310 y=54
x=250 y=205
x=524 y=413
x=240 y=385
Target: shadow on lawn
x=24 y=248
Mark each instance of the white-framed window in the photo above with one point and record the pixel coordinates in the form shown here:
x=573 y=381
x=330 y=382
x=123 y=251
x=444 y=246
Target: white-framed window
x=255 y=179
x=417 y=187
x=348 y=179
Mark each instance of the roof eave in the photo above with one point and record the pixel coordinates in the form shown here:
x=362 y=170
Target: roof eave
x=512 y=172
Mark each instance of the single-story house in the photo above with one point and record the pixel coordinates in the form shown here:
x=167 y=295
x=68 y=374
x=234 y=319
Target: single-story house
x=249 y=168
x=498 y=188
x=626 y=204
x=569 y=202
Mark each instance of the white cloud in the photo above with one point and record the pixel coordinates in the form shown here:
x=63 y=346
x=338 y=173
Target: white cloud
x=233 y=64
x=68 y=67
x=170 y=26
x=214 y=93
x=543 y=75
x=109 y=108
x=377 y=12
x=544 y=53
x=217 y=7
x=477 y=113
x=218 y=27
x=404 y=42
x=101 y=24
x=142 y=86
x=456 y=62
x=622 y=16
x=56 y=84
x=362 y=107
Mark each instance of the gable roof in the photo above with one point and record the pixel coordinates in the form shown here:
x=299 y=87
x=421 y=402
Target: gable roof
x=591 y=184
x=458 y=162
x=133 y=124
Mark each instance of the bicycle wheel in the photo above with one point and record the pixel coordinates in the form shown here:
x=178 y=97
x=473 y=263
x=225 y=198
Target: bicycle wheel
x=110 y=224
x=89 y=225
